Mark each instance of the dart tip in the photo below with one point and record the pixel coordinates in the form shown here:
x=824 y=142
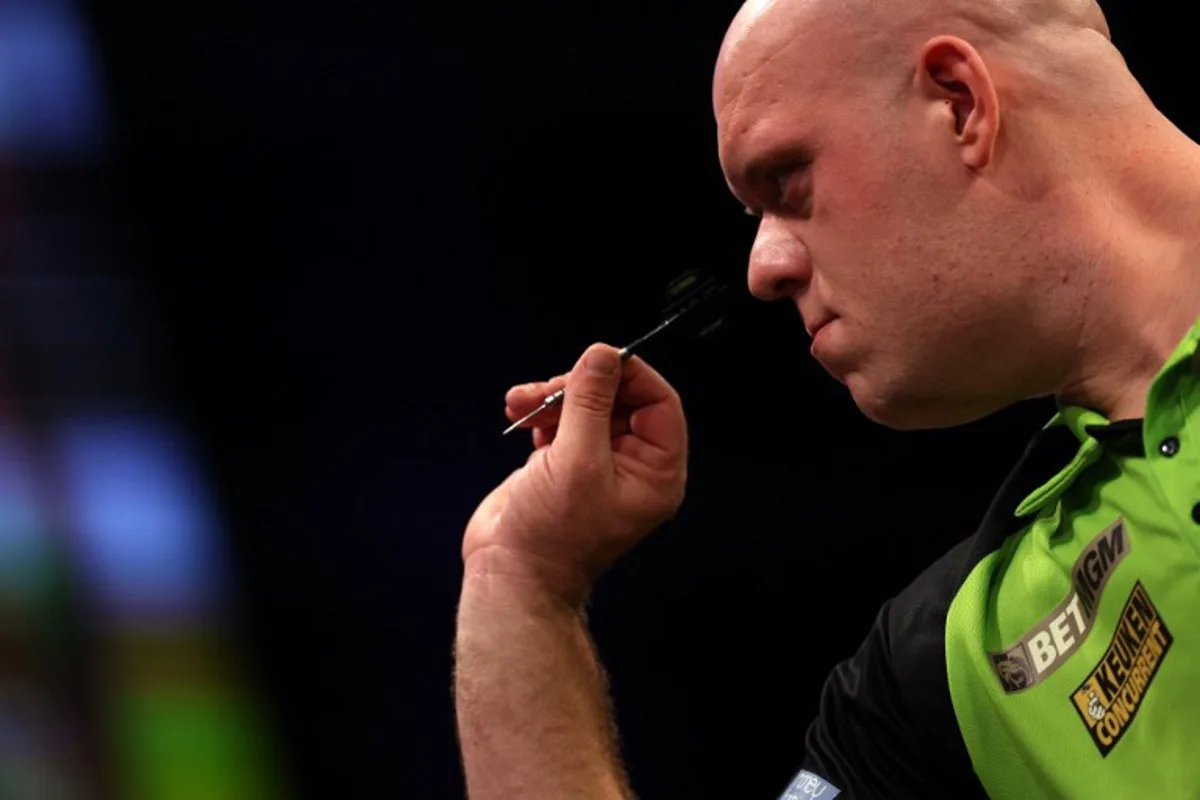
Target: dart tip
x=511 y=428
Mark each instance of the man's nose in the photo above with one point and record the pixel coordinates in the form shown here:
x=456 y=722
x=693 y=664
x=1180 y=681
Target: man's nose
x=779 y=263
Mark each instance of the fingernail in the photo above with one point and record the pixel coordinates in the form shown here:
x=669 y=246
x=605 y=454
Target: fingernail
x=602 y=362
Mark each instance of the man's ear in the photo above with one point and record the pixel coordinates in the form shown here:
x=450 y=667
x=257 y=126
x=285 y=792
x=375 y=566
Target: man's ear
x=951 y=72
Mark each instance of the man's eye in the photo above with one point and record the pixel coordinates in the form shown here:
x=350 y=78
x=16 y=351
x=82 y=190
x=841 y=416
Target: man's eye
x=779 y=182
x=784 y=186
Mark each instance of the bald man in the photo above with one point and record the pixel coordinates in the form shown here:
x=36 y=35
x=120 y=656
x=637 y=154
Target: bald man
x=971 y=203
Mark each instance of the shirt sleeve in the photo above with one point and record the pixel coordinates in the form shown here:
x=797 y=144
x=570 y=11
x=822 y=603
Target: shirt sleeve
x=885 y=726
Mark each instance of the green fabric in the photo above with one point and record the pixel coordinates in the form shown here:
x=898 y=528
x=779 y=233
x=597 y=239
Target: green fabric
x=1038 y=741
x=193 y=744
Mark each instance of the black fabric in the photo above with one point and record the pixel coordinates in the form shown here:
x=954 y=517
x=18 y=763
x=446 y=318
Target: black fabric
x=1124 y=436
x=886 y=726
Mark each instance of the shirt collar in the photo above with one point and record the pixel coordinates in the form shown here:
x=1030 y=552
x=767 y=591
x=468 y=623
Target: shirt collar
x=1093 y=431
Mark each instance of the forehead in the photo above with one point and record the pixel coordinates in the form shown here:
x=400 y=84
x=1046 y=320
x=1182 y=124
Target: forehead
x=769 y=81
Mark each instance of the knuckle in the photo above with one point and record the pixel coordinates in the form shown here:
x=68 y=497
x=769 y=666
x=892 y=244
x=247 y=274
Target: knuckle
x=585 y=393
x=592 y=401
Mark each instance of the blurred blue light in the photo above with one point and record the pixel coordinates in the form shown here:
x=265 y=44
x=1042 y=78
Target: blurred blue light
x=50 y=100
x=145 y=528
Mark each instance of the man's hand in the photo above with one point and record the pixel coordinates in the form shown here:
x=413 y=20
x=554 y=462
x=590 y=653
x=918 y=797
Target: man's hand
x=608 y=467
x=531 y=697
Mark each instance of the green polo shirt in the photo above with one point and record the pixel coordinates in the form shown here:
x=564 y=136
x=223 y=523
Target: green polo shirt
x=1055 y=653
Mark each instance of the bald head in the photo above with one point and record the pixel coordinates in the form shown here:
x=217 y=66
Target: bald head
x=1000 y=18
x=1056 y=40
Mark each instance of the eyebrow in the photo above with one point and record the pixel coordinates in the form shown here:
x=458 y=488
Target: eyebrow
x=771 y=159
x=765 y=163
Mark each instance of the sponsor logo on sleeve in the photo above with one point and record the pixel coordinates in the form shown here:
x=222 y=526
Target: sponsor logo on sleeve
x=807 y=786
x=1049 y=643
x=1109 y=699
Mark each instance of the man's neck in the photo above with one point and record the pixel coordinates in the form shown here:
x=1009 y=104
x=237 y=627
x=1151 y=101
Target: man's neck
x=1141 y=288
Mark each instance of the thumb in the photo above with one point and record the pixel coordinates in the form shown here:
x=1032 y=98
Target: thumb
x=586 y=423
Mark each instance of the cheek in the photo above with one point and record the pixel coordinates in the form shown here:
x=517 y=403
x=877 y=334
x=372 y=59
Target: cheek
x=851 y=193
x=876 y=239
x=870 y=218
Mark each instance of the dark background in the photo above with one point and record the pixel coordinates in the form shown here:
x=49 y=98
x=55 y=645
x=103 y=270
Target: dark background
x=362 y=222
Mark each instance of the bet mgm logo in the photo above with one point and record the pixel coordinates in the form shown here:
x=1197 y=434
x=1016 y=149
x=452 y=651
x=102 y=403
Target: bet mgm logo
x=1110 y=697
x=1051 y=642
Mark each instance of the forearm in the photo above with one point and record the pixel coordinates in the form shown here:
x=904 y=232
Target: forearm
x=531 y=696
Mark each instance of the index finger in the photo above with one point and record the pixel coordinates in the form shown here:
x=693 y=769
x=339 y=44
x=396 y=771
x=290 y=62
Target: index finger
x=530 y=395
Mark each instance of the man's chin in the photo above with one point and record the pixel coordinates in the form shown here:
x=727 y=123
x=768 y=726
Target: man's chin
x=905 y=411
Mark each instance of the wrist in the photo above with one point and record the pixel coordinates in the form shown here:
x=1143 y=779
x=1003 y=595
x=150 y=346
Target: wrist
x=501 y=569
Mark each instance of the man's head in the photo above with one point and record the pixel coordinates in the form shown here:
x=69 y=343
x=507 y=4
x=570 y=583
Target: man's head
x=914 y=163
